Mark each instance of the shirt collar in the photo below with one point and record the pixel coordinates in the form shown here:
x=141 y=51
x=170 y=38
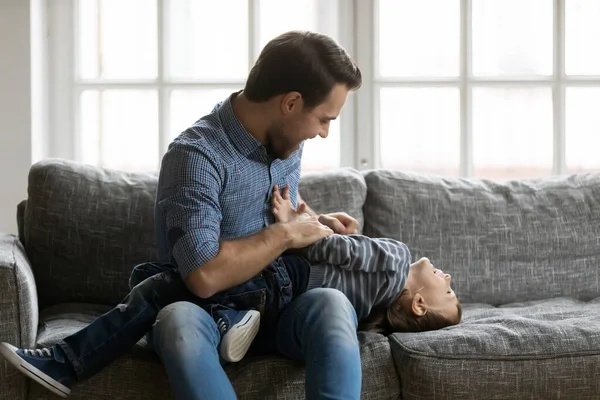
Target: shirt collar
x=240 y=137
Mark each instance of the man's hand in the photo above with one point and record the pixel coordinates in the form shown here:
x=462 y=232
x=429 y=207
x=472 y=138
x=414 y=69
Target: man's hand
x=340 y=222
x=304 y=231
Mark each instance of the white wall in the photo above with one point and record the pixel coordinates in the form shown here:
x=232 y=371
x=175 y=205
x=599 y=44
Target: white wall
x=15 y=108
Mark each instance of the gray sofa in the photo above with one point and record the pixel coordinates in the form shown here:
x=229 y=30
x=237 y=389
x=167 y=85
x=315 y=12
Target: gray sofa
x=524 y=255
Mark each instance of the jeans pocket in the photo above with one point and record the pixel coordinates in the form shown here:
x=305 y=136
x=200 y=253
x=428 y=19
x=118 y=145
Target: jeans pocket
x=250 y=300
x=286 y=294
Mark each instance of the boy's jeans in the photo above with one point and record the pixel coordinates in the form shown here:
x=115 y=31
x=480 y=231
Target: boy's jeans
x=318 y=327
x=155 y=286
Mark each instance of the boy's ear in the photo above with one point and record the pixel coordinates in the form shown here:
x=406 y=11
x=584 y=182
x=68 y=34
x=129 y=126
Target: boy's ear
x=418 y=305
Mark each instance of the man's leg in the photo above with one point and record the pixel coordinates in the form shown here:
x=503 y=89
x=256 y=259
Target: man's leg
x=319 y=328
x=186 y=338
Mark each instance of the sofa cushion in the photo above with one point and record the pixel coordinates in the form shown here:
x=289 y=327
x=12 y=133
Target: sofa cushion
x=535 y=350
x=86 y=227
x=342 y=189
x=502 y=241
x=140 y=375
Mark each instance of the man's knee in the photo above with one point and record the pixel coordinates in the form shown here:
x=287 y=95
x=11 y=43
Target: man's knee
x=183 y=323
x=331 y=302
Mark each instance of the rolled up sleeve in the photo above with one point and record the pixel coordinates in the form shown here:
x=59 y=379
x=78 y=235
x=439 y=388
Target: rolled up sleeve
x=188 y=195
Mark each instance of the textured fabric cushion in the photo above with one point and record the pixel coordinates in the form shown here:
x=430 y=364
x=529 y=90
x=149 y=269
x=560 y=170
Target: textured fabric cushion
x=85 y=229
x=502 y=241
x=547 y=349
x=338 y=190
x=140 y=375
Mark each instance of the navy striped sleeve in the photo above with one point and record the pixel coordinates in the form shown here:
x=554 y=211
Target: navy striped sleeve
x=360 y=253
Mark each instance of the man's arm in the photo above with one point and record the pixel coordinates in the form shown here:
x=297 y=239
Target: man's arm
x=241 y=259
x=238 y=261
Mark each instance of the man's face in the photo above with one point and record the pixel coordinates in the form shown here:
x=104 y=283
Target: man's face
x=299 y=124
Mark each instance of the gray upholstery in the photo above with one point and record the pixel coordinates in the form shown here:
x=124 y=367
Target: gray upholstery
x=502 y=242
x=260 y=378
x=525 y=257
x=18 y=310
x=85 y=229
x=539 y=350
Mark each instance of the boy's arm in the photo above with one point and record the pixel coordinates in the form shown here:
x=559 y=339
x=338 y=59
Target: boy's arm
x=360 y=253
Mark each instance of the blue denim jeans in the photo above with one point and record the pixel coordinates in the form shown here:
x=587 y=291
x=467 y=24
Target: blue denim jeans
x=318 y=327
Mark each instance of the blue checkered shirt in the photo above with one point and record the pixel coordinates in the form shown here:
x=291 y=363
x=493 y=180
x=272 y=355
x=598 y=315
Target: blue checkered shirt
x=215 y=184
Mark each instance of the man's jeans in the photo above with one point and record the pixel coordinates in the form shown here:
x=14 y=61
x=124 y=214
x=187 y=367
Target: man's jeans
x=318 y=327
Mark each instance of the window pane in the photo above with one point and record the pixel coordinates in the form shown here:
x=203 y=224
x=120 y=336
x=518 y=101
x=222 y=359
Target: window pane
x=277 y=17
x=119 y=129
x=188 y=106
x=512 y=132
x=419 y=38
x=322 y=154
x=420 y=129
x=582 y=36
x=117 y=39
x=512 y=37
x=207 y=40
x=582 y=129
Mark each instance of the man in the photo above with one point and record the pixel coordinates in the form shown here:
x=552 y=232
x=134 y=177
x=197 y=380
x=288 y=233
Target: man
x=213 y=219
x=219 y=244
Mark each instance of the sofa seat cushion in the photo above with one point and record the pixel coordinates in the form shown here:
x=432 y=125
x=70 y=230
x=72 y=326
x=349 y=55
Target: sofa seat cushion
x=140 y=374
x=536 y=350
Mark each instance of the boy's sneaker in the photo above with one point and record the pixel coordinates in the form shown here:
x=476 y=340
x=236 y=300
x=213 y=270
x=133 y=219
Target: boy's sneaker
x=238 y=336
x=42 y=366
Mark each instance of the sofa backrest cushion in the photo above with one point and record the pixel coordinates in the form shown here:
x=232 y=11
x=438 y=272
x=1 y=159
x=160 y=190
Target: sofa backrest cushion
x=502 y=241
x=341 y=189
x=85 y=228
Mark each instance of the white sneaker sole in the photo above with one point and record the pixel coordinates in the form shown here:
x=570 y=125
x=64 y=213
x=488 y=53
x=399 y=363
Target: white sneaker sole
x=237 y=340
x=9 y=352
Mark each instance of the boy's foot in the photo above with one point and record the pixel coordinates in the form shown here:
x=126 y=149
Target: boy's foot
x=41 y=366
x=237 y=338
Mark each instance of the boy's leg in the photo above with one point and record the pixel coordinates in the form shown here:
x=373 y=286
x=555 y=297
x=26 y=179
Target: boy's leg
x=319 y=328
x=108 y=337
x=186 y=337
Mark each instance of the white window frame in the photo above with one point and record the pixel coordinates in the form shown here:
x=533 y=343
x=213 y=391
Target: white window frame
x=367 y=55
x=359 y=125
x=65 y=87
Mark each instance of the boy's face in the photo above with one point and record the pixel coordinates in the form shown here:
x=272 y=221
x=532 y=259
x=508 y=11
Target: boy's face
x=431 y=288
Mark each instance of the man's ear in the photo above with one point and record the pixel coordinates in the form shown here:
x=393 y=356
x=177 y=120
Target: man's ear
x=291 y=102
x=418 y=305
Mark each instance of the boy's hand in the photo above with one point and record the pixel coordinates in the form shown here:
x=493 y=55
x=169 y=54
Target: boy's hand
x=282 y=206
x=340 y=222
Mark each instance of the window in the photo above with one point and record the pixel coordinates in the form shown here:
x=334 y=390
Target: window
x=483 y=88
x=143 y=71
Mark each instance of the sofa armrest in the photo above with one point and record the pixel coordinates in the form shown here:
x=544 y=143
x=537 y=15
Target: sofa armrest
x=18 y=310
